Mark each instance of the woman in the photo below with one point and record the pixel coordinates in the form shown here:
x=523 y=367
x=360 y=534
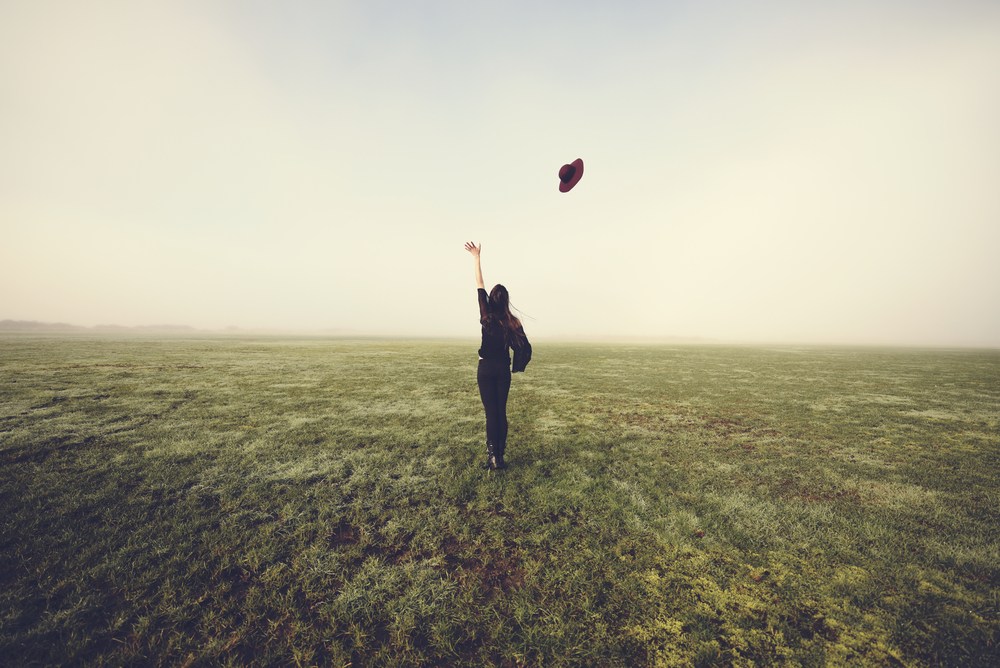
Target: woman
x=501 y=332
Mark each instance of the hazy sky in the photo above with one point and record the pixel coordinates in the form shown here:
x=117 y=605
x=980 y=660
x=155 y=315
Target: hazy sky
x=755 y=171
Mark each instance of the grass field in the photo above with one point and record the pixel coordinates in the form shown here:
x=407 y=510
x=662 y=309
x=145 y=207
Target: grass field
x=277 y=501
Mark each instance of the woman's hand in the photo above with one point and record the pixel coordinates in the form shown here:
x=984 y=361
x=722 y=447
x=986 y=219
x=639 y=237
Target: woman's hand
x=474 y=249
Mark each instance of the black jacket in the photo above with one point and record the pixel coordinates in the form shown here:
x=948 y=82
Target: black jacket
x=496 y=342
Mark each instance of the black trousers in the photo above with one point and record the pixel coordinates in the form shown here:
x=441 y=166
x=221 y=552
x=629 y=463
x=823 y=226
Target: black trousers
x=494 y=386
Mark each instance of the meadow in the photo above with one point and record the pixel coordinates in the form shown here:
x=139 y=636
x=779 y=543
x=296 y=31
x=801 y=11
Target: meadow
x=279 y=501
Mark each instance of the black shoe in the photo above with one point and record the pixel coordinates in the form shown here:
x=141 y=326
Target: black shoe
x=499 y=453
x=491 y=460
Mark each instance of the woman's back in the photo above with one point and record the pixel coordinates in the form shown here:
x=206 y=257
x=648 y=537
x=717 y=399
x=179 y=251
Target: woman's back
x=498 y=338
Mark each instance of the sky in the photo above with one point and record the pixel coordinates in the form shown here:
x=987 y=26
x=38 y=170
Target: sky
x=755 y=171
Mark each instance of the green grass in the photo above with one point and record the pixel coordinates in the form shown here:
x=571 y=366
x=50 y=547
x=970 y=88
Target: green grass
x=320 y=502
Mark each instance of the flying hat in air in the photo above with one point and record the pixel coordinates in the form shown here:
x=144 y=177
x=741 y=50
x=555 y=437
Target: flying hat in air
x=570 y=175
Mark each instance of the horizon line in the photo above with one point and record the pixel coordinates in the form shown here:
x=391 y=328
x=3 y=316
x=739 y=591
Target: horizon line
x=10 y=326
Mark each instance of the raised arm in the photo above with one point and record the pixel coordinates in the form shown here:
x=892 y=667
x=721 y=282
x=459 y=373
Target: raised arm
x=474 y=249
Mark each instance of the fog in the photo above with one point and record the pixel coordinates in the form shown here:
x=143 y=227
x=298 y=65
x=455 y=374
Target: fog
x=754 y=172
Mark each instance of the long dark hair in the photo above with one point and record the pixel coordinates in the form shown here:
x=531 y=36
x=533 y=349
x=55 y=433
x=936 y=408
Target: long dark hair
x=499 y=312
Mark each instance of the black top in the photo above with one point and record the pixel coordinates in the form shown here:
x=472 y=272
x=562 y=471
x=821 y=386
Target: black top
x=496 y=344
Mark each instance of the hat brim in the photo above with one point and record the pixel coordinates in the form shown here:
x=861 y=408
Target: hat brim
x=566 y=186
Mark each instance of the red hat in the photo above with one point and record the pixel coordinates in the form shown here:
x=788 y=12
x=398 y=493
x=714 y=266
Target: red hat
x=570 y=174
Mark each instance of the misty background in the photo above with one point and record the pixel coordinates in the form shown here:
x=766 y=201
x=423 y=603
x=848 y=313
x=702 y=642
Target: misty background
x=778 y=171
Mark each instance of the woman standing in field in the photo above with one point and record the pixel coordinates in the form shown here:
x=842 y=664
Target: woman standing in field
x=501 y=332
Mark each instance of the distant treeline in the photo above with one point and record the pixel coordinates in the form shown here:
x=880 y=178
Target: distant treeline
x=34 y=326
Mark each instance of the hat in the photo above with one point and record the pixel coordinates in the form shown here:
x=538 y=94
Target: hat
x=570 y=174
